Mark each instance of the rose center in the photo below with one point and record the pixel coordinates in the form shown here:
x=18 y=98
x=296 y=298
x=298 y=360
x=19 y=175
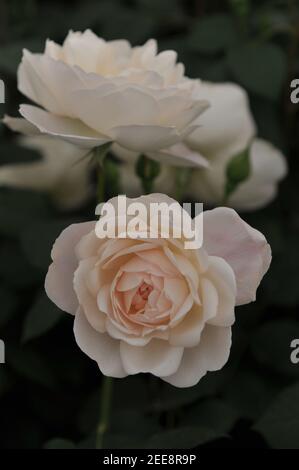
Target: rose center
x=141 y=297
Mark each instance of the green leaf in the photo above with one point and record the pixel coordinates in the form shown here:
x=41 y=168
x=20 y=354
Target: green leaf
x=280 y=424
x=38 y=238
x=269 y=120
x=31 y=365
x=209 y=69
x=261 y=68
x=146 y=168
x=100 y=153
x=273 y=21
x=212 y=413
x=9 y=303
x=249 y=393
x=137 y=26
x=281 y=286
x=131 y=393
x=42 y=317
x=123 y=441
x=213 y=34
x=237 y=171
x=11 y=54
x=6 y=381
x=12 y=154
x=182 y=181
x=89 y=412
x=240 y=7
x=58 y=443
x=170 y=398
x=133 y=422
x=182 y=438
x=18 y=209
x=14 y=267
x=270 y=346
x=112 y=174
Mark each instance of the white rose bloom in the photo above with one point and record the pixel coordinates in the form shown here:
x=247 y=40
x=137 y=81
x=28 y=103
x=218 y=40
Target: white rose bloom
x=61 y=172
x=267 y=167
x=228 y=126
x=150 y=304
x=93 y=92
x=227 y=129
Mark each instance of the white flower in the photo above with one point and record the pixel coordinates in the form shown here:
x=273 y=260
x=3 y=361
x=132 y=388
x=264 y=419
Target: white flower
x=63 y=172
x=93 y=92
x=267 y=168
x=227 y=126
x=149 y=304
x=227 y=129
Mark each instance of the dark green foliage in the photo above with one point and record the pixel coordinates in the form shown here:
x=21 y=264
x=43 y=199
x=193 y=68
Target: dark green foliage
x=49 y=390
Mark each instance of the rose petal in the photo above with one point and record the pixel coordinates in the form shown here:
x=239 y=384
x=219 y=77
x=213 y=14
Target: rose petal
x=120 y=108
x=187 y=333
x=157 y=358
x=211 y=354
x=180 y=155
x=59 y=287
x=227 y=126
x=223 y=279
x=59 y=280
x=98 y=346
x=268 y=167
x=118 y=334
x=71 y=130
x=87 y=301
x=33 y=84
x=246 y=250
x=20 y=125
x=144 y=139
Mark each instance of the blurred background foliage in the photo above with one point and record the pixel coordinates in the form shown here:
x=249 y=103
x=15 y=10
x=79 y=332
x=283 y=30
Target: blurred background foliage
x=49 y=391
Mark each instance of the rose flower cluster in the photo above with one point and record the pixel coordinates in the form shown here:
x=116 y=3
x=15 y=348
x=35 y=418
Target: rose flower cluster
x=143 y=304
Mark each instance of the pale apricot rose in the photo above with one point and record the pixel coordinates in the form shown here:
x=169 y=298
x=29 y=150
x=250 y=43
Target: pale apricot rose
x=150 y=304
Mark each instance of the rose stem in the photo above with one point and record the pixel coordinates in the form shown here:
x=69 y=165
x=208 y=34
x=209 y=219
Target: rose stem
x=106 y=399
x=99 y=156
x=101 y=183
x=147 y=170
x=107 y=383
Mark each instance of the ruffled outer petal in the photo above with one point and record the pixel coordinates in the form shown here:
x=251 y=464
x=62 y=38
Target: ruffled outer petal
x=157 y=357
x=98 y=346
x=59 y=279
x=210 y=354
x=227 y=126
x=71 y=130
x=245 y=249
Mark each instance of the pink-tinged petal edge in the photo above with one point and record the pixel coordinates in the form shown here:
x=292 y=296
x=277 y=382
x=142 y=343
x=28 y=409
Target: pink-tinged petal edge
x=59 y=279
x=246 y=250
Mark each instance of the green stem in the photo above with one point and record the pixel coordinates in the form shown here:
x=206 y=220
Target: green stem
x=106 y=399
x=101 y=184
x=106 y=395
x=182 y=180
x=147 y=170
x=147 y=186
x=99 y=156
